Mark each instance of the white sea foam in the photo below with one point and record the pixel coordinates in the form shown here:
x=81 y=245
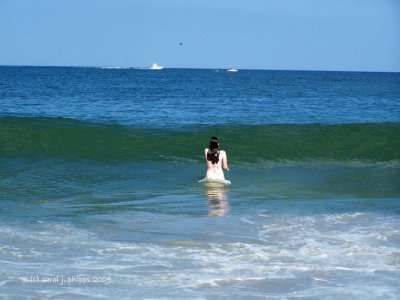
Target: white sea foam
x=308 y=256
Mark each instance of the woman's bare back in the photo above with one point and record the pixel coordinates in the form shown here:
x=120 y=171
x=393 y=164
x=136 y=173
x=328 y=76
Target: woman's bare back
x=214 y=171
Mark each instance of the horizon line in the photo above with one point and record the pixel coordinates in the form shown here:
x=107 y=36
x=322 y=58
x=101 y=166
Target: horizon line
x=194 y=68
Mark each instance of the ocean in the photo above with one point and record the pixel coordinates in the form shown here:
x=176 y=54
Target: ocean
x=100 y=195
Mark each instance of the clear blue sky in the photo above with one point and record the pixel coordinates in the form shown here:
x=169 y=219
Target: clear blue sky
x=359 y=35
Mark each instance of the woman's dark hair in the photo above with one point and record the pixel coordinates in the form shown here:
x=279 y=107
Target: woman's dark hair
x=213 y=152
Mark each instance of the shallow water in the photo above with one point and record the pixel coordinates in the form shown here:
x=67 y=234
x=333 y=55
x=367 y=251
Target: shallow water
x=182 y=247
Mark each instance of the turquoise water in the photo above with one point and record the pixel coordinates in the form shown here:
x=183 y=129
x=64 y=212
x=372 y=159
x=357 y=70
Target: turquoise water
x=100 y=195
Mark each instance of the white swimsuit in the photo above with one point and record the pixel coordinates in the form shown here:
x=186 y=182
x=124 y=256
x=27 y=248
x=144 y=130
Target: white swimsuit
x=214 y=171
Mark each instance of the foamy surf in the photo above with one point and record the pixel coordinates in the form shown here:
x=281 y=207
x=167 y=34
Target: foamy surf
x=211 y=180
x=279 y=255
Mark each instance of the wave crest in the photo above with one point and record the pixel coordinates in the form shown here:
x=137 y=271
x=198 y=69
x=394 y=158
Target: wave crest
x=71 y=139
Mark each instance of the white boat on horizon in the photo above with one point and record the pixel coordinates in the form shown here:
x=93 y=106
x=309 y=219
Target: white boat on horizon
x=232 y=70
x=156 y=67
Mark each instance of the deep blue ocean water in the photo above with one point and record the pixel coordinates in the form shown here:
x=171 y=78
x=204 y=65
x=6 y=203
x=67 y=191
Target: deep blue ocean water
x=100 y=195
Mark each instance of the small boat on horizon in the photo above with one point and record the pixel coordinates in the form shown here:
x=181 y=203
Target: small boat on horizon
x=232 y=70
x=156 y=67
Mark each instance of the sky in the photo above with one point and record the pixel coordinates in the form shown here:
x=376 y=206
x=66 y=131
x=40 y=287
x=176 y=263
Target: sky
x=335 y=35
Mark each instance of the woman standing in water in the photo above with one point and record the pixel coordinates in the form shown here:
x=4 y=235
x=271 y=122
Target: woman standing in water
x=216 y=160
